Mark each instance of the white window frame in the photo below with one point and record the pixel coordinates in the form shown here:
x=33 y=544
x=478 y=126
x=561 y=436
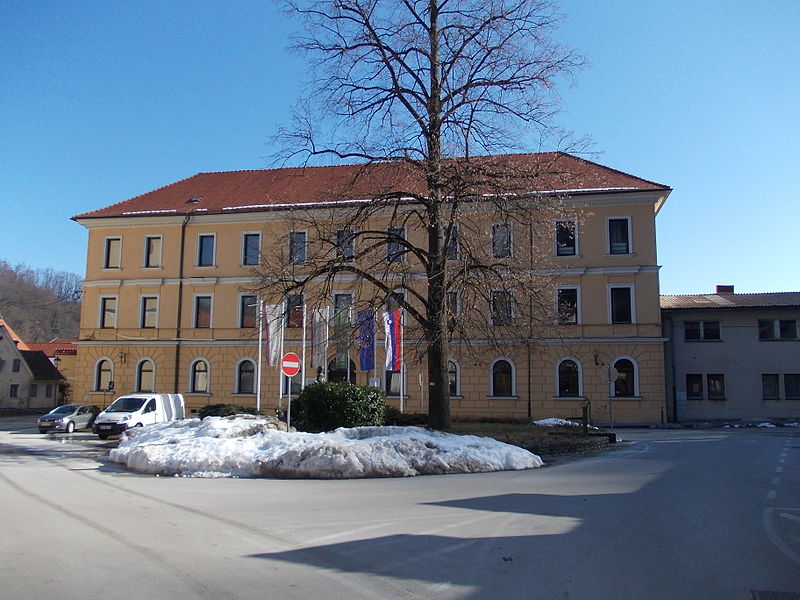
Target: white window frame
x=574 y=222
x=292 y=260
x=240 y=311
x=237 y=377
x=101 y=311
x=213 y=236
x=401 y=250
x=243 y=259
x=138 y=376
x=513 y=377
x=403 y=374
x=106 y=254
x=608 y=235
x=510 y=229
x=159 y=260
x=578 y=308
x=142 y=313
x=195 y=313
x=192 y=366
x=635 y=364
x=513 y=316
x=96 y=373
x=557 y=390
x=458 y=376
x=338 y=248
x=632 y=291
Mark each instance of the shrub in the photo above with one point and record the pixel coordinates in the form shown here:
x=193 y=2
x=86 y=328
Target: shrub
x=225 y=410
x=395 y=417
x=325 y=406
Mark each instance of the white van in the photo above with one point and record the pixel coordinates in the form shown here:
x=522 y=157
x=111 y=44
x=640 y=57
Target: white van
x=138 y=410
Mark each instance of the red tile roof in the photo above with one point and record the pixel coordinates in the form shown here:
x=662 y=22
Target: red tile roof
x=20 y=344
x=53 y=348
x=260 y=190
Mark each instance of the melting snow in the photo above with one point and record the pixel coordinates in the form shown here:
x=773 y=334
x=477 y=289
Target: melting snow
x=248 y=447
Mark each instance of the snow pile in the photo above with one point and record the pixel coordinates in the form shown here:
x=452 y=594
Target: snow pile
x=248 y=447
x=556 y=422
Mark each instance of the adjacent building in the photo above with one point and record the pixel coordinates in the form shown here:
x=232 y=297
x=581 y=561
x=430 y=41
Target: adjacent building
x=732 y=356
x=28 y=379
x=169 y=295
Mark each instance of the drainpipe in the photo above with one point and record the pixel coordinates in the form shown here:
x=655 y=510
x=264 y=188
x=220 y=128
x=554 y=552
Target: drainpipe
x=179 y=311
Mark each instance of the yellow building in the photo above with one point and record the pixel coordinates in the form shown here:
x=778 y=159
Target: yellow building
x=169 y=300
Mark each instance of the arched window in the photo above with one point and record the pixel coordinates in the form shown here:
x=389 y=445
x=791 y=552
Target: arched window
x=104 y=373
x=569 y=379
x=502 y=378
x=453 y=377
x=626 y=383
x=198 y=379
x=145 y=376
x=246 y=377
x=335 y=375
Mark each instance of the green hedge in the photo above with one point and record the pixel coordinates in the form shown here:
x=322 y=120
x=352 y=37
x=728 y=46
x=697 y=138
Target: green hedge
x=225 y=410
x=325 y=406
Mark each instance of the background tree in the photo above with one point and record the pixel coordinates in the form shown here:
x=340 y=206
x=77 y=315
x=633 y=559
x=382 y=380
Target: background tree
x=40 y=304
x=429 y=90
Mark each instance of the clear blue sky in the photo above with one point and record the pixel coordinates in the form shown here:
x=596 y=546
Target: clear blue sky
x=104 y=100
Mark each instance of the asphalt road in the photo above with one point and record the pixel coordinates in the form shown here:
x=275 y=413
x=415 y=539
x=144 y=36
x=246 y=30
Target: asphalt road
x=682 y=514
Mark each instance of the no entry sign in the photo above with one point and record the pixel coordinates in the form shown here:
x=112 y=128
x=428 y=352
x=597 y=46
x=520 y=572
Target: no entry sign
x=290 y=364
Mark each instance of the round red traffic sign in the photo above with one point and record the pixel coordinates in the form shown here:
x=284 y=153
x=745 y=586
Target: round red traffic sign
x=290 y=364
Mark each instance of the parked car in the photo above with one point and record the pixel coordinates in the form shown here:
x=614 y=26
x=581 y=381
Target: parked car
x=68 y=418
x=138 y=410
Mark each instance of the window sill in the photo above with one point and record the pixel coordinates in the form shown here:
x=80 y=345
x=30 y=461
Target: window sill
x=581 y=398
x=624 y=397
x=702 y=341
x=513 y=397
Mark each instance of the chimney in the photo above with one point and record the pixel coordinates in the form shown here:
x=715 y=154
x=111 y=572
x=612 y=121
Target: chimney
x=724 y=289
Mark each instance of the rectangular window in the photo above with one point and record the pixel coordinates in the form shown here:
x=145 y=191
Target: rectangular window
x=567 y=306
x=501 y=240
x=152 y=251
x=13 y=390
x=701 y=330
x=787 y=329
x=621 y=299
x=294 y=311
x=149 y=316
x=247 y=311
x=769 y=386
x=502 y=307
x=791 y=386
x=452 y=244
x=205 y=250
x=619 y=237
x=15 y=366
x=394 y=244
x=345 y=244
x=565 y=238
x=48 y=390
x=108 y=313
x=113 y=253
x=766 y=329
x=694 y=386
x=34 y=390
x=251 y=248
x=393 y=379
x=716 y=386
x=297 y=247
x=202 y=312
x=453 y=303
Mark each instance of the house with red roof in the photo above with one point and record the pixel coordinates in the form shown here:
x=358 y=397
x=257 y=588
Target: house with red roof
x=171 y=289
x=28 y=379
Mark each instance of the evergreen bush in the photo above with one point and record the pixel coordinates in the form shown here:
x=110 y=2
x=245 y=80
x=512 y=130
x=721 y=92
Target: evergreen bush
x=324 y=406
x=225 y=410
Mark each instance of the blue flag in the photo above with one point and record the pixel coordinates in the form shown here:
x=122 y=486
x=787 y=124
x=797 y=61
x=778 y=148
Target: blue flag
x=366 y=334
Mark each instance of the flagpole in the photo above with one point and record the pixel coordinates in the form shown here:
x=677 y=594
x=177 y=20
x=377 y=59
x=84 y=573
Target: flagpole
x=280 y=357
x=303 y=352
x=260 y=321
x=402 y=378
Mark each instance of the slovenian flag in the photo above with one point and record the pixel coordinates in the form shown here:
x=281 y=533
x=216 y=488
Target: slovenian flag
x=393 y=334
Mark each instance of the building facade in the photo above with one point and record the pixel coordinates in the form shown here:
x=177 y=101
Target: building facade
x=733 y=357
x=28 y=380
x=170 y=294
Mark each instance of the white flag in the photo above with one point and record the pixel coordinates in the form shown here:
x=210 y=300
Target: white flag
x=319 y=338
x=273 y=317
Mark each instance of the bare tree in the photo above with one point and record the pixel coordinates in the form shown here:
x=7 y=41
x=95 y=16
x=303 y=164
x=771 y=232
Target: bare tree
x=424 y=92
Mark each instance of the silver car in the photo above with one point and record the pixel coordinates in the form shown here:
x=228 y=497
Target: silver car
x=68 y=418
